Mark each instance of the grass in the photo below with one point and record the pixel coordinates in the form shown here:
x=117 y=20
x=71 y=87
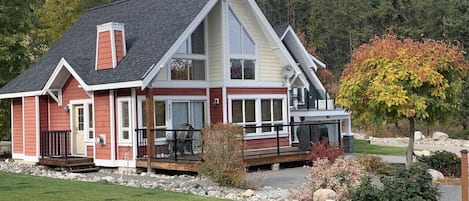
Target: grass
x=362 y=146
x=26 y=187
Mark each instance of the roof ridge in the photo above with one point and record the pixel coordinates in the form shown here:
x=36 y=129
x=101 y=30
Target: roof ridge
x=107 y=5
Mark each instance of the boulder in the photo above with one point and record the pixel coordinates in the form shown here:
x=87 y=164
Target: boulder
x=439 y=136
x=248 y=193
x=324 y=194
x=418 y=135
x=436 y=175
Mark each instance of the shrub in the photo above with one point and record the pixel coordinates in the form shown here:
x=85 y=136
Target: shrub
x=322 y=150
x=223 y=155
x=339 y=176
x=373 y=164
x=414 y=184
x=446 y=162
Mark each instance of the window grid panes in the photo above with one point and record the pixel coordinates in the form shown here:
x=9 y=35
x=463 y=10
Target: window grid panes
x=90 y=122
x=124 y=119
x=242 y=50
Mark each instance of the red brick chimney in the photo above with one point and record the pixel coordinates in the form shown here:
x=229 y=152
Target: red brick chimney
x=110 y=45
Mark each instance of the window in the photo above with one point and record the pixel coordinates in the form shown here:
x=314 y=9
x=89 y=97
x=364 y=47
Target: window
x=272 y=114
x=188 y=63
x=242 y=50
x=264 y=111
x=123 y=117
x=90 y=122
x=244 y=114
x=159 y=119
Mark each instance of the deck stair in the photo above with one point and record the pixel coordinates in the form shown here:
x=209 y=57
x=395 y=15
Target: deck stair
x=75 y=165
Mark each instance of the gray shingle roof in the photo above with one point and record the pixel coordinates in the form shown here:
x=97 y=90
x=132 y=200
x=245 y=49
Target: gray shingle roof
x=151 y=28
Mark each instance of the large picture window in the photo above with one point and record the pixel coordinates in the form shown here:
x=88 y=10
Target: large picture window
x=242 y=50
x=263 y=112
x=189 y=61
x=159 y=119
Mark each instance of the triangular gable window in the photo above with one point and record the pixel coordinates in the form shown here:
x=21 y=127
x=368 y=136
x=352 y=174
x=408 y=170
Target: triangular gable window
x=242 y=50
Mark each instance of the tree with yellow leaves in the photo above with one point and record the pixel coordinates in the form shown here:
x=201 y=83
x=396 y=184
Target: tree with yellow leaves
x=391 y=79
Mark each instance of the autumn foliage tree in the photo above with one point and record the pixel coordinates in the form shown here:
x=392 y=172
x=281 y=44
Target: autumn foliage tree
x=391 y=79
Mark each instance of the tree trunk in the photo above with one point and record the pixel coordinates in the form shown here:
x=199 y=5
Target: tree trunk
x=410 y=147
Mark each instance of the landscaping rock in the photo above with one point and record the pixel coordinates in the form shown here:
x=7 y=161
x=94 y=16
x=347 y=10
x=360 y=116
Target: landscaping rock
x=439 y=136
x=248 y=193
x=324 y=195
x=418 y=135
x=422 y=153
x=436 y=175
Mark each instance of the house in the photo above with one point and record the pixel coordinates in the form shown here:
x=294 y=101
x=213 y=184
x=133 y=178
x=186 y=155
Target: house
x=203 y=61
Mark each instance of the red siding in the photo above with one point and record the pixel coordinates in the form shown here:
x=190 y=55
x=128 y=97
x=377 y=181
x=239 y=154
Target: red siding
x=216 y=111
x=44 y=113
x=121 y=153
x=256 y=91
x=266 y=143
x=102 y=123
x=89 y=151
x=17 y=124
x=104 y=50
x=30 y=125
x=123 y=92
x=119 y=42
x=177 y=92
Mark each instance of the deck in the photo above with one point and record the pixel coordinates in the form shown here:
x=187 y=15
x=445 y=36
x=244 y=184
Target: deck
x=251 y=158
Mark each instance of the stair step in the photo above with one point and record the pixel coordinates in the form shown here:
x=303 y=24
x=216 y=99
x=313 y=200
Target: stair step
x=89 y=169
x=81 y=164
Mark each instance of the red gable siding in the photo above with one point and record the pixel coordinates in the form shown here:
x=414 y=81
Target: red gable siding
x=119 y=42
x=104 y=50
x=30 y=125
x=216 y=111
x=102 y=121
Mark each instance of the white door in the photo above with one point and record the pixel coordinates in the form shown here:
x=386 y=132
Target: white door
x=79 y=130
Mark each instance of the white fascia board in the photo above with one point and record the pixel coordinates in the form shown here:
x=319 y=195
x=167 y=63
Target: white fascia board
x=152 y=72
x=20 y=94
x=63 y=63
x=117 y=85
x=308 y=61
x=317 y=61
x=270 y=33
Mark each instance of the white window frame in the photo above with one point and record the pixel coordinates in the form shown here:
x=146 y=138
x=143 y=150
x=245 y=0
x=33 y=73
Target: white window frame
x=87 y=129
x=234 y=56
x=259 y=134
x=192 y=56
x=120 y=128
x=140 y=100
x=87 y=119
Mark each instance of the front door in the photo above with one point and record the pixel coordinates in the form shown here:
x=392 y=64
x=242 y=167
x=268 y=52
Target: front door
x=79 y=130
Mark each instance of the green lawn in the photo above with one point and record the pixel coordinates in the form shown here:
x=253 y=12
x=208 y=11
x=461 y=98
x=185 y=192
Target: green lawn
x=362 y=146
x=26 y=187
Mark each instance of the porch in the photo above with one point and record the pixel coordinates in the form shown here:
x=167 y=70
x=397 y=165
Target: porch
x=170 y=155
x=55 y=151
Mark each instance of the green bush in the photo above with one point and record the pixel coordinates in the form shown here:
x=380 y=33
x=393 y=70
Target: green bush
x=223 y=155
x=446 y=162
x=414 y=184
x=373 y=164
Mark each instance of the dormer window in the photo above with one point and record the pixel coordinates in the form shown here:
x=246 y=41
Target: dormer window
x=110 y=45
x=242 y=50
x=189 y=61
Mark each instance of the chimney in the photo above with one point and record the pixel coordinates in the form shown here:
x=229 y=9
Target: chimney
x=110 y=45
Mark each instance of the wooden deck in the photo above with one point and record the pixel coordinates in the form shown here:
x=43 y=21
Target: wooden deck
x=251 y=158
x=73 y=164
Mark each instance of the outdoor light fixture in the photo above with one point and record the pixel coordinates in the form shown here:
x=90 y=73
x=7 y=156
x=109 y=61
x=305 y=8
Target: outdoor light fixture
x=216 y=101
x=66 y=108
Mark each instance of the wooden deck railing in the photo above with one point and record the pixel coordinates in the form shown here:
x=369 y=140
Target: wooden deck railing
x=55 y=144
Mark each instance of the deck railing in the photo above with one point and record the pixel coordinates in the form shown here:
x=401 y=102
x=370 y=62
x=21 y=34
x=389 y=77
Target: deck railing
x=315 y=100
x=169 y=147
x=55 y=144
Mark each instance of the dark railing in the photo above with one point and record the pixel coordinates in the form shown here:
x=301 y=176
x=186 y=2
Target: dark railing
x=55 y=144
x=172 y=144
x=314 y=100
x=171 y=147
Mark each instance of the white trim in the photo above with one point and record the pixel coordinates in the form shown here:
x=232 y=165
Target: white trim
x=111 y=27
x=317 y=61
x=133 y=95
x=305 y=54
x=112 y=119
x=115 y=163
x=180 y=84
x=117 y=85
x=113 y=48
x=48 y=113
x=37 y=125
x=151 y=72
x=22 y=119
x=225 y=105
x=16 y=156
x=12 y=112
x=63 y=63
x=208 y=106
x=224 y=43
x=30 y=158
x=94 y=125
x=20 y=94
